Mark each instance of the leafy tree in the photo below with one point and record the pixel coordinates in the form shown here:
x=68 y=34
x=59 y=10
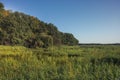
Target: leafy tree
x=21 y=29
x=1 y=6
x=68 y=39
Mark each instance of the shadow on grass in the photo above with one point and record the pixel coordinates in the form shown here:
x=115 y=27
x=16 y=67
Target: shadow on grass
x=108 y=60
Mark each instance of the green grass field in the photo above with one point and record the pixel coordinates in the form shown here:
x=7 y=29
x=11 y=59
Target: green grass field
x=98 y=62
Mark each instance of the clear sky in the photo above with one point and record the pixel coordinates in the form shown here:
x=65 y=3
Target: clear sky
x=90 y=21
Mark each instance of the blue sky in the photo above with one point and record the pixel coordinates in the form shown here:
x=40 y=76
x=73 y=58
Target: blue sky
x=90 y=21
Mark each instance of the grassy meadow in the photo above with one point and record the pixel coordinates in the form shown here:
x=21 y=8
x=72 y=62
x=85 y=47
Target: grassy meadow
x=85 y=62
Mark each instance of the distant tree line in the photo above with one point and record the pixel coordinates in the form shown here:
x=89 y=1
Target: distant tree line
x=21 y=29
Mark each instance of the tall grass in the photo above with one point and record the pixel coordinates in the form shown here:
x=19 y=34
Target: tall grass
x=60 y=63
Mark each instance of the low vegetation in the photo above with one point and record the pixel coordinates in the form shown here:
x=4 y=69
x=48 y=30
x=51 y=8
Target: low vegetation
x=100 y=62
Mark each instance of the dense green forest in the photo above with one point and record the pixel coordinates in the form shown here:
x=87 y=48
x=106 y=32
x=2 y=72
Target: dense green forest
x=17 y=28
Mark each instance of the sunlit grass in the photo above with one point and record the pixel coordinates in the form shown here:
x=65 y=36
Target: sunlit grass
x=60 y=63
x=12 y=50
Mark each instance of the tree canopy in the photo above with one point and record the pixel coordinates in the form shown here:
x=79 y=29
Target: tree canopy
x=17 y=28
x=1 y=6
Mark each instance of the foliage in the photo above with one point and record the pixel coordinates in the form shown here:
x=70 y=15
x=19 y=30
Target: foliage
x=20 y=29
x=60 y=63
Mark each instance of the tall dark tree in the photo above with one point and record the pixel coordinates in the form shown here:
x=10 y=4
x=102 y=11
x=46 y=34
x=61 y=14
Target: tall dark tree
x=1 y=6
